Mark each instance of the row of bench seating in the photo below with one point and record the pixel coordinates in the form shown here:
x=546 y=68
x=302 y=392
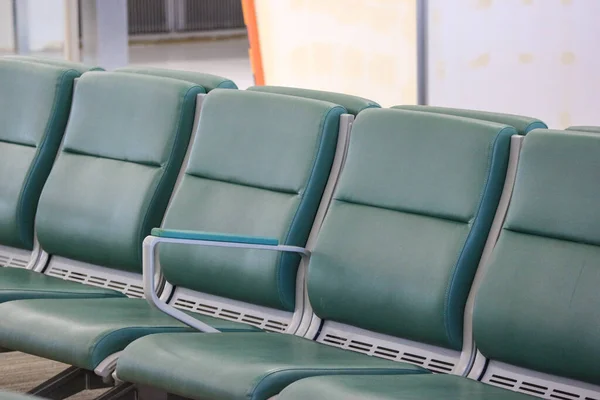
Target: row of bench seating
x=365 y=240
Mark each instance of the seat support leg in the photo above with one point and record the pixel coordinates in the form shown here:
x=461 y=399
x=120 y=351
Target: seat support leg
x=150 y=393
x=123 y=391
x=67 y=383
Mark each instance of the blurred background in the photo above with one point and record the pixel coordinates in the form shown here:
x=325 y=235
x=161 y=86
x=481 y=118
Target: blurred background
x=530 y=57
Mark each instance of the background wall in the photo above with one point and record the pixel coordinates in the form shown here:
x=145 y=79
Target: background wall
x=531 y=57
x=362 y=47
x=45 y=20
x=46 y=24
x=6 y=25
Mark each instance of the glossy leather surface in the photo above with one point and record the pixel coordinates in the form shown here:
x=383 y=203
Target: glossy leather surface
x=539 y=303
x=110 y=185
x=34 y=107
x=403 y=236
x=17 y=284
x=353 y=104
x=521 y=123
x=14 y=396
x=595 y=129
x=414 y=387
x=258 y=167
x=240 y=365
x=81 y=68
x=86 y=331
x=207 y=81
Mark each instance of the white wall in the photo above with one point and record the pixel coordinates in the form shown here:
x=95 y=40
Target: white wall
x=361 y=47
x=533 y=57
x=6 y=25
x=46 y=24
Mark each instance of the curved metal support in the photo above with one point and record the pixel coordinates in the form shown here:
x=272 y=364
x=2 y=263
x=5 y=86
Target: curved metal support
x=149 y=253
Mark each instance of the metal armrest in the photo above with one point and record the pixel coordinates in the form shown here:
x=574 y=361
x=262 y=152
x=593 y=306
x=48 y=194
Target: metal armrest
x=158 y=236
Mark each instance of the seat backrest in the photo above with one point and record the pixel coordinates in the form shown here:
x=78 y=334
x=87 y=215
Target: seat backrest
x=34 y=107
x=521 y=123
x=258 y=167
x=353 y=104
x=124 y=145
x=538 y=306
x=595 y=129
x=81 y=68
x=207 y=81
x=404 y=233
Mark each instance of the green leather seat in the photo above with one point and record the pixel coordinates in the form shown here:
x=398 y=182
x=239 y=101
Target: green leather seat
x=81 y=68
x=353 y=104
x=538 y=307
x=110 y=184
x=244 y=176
x=420 y=387
x=207 y=81
x=35 y=100
x=595 y=129
x=15 y=396
x=522 y=124
x=396 y=255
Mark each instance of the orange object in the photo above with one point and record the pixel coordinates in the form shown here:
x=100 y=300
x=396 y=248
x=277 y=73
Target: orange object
x=254 y=50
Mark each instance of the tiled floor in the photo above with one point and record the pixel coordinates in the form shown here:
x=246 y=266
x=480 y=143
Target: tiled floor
x=227 y=57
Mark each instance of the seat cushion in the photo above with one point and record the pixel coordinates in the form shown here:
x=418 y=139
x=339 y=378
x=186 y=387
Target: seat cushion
x=258 y=167
x=122 y=151
x=425 y=387
x=240 y=365
x=591 y=129
x=22 y=284
x=14 y=396
x=34 y=107
x=521 y=123
x=85 y=332
x=353 y=104
x=207 y=81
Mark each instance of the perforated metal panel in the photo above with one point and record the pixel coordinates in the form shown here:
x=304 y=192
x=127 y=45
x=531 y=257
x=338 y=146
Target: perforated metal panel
x=435 y=359
x=537 y=384
x=220 y=307
x=125 y=282
x=16 y=258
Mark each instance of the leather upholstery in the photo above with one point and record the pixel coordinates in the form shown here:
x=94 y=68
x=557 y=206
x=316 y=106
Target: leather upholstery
x=34 y=108
x=400 y=243
x=403 y=236
x=414 y=387
x=81 y=68
x=240 y=366
x=521 y=123
x=539 y=303
x=17 y=284
x=595 y=129
x=110 y=185
x=14 y=396
x=353 y=104
x=260 y=171
x=207 y=81
x=86 y=331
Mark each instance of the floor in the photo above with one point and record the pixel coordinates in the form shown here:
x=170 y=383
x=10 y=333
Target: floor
x=224 y=57
x=21 y=372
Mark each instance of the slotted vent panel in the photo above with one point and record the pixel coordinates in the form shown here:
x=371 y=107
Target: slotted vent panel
x=107 y=282
x=8 y=260
x=388 y=352
x=538 y=387
x=231 y=313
